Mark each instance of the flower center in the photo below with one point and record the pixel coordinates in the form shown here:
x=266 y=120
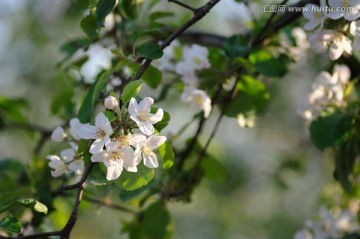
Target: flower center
x=338 y=36
x=100 y=133
x=115 y=156
x=196 y=60
x=146 y=150
x=143 y=116
x=345 y=3
x=198 y=100
x=123 y=141
x=318 y=14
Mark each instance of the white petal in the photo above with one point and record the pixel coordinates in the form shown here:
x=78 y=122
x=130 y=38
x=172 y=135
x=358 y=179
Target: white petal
x=74 y=128
x=353 y=15
x=207 y=108
x=335 y=15
x=56 y=164
x=97 y=146
x=129 y=161
x=113 y=172
x=343 y=73
x=150 y=160
x=101 y=120
x=87 y=131
x=347 y=44
x=154 y=118
x=67 y=155
x=99 y=157
x=335 y=51
x=311 y=25
x=111 y=146
x=146 y=103
x=58 y=172
x=146 y=128
x=137 y=139
x=58 y=135
x=135 y=118
x=77 y=167
x=53 y=157
x=155 y=141
x=133 y=107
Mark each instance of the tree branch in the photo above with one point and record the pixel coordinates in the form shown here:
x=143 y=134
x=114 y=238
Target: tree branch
x=184 y=5
x=108 y=203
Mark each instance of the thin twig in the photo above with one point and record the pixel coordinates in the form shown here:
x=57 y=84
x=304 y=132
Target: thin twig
x=108 y=203
x=82 y=180
x=184 y=5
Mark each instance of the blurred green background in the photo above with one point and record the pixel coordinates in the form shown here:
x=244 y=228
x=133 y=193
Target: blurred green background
x=276 y=174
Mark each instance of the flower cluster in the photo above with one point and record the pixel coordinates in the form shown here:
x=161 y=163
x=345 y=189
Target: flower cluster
x=330 y=224
x=120 y=148
x=191 y=59
x=68 y=161
x=328 y=91
x=337 y=40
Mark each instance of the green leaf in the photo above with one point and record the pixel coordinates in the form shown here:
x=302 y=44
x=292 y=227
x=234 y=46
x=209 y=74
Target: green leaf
x=131 y=90
x=214 y=170
x=331 y=129
x=130 y=181
x=62 y=101
x=163 y=122
x=103 y=8
x=91 y=98
x=159 y=15
x=110 y=115
x=129 y=8
x=167 y=154
x=152 y=77
x=252 y=96
x=97 y=177
x=28 y=203
x=266 y=64
x=89 y=26
x=236 y=46
x=157 y=221
x=150 y=51
x=128 y=195
x=11 y=110
x=72 y=46
x=10 y=224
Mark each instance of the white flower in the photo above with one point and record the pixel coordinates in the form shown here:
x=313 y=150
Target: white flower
x=316 y=17
x=100 y=132
x=115 y=159
x=58 y=135
x=66 y=162
x=342 y=74
x=337 y=41
x=349 y=9
x=195 y=58
x=199 y=100
x=58 y=165
x=74 y=128
x=355 y=31
x=113 y=83
x=164 y=63
x=140 y=113
x=145 y=147
x=246 y=121
x=111 y=102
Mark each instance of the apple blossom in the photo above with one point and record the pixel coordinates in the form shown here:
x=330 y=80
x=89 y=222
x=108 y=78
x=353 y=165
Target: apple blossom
x=199 y=100
x=355 y=31
x=140 y=113
x=316 y=18
x=100 y=132
x=58 y=135
x=348 y=9
x=74 y=128
x=195 y=58
x=145 y=147
x=65 y=163
x=115 y=159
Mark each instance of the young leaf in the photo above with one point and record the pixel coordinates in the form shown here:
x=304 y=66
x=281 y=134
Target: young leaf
x=89 y=103
x=130 y=181
x=252 y=96
x=131 y=90
x=151 y=51
x=267 y=65
x=152 y=77
x=163 y=123
x=89 y=26
x=331 y=130
x=103 y=8
x=10 y=224
x=167 y=154
x=28 y=203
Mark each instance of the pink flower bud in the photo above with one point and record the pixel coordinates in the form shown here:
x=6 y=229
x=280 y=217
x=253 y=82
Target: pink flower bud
x=111 y=102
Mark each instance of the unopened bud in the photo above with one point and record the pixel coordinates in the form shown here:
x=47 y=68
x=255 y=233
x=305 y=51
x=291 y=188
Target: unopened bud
x=111 y=102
